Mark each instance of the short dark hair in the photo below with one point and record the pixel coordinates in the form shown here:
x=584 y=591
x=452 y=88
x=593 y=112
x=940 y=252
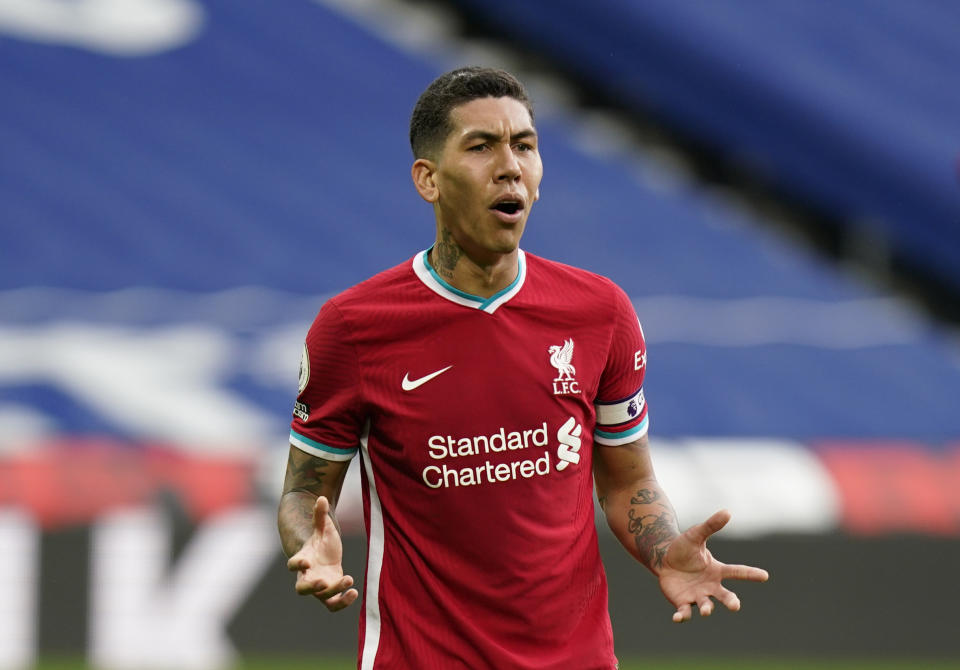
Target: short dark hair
x=430 y=122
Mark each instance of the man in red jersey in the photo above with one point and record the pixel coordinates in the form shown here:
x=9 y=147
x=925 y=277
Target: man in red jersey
x=488 y=391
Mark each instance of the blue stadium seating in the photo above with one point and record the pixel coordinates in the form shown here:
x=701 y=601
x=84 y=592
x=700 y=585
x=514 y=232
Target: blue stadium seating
x=851 y=106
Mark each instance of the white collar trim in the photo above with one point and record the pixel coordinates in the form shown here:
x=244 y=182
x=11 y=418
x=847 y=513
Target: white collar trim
x=438 y=285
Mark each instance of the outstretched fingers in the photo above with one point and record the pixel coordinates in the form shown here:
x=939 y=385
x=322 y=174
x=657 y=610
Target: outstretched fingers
x=745 y=572
x=706 y=606
x=335 y=596
x=703 y=596
x=700 y=581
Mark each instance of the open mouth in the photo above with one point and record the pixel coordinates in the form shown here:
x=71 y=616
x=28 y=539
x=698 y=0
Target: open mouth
x=508 y=207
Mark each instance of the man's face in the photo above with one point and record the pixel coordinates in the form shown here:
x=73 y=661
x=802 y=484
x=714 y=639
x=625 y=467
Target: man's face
x=487 y=176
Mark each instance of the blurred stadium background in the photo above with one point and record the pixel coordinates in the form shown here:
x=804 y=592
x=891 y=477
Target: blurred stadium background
x=183 y=182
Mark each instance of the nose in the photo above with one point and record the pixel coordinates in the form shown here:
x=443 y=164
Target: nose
x=508 y=167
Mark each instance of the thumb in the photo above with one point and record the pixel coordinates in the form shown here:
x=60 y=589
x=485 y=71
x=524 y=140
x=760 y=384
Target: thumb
x=320 y=510
x=702 y=531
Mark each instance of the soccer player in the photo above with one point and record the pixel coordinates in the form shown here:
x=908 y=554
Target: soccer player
x=488 y=391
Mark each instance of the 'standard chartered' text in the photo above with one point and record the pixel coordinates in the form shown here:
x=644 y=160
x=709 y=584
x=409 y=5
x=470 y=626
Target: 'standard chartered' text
x=444 y=447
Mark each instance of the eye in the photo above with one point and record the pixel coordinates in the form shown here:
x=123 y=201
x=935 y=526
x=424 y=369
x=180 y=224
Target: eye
x=477 y=147
x=523 y=146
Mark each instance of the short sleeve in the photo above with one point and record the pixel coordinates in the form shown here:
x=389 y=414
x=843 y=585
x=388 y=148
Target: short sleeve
x=327 y=418
x=620 y=404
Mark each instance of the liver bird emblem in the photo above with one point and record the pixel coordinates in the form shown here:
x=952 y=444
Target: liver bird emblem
x=560 y=358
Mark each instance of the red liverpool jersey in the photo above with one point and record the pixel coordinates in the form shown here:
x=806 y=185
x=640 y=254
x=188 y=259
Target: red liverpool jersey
x=476 y=420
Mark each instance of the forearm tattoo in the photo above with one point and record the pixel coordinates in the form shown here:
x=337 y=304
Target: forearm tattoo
x=645 y=497
x=652 y=529
x=305 y=473
x=307 y=478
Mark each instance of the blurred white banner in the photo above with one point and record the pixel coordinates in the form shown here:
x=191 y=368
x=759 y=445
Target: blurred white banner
x=116 y=27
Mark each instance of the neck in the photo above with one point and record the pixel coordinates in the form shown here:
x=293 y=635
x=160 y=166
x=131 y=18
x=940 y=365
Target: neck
x=479 y=277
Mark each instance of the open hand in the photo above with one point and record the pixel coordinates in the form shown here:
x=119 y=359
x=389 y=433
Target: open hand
x=318 y=563
x=690 y=575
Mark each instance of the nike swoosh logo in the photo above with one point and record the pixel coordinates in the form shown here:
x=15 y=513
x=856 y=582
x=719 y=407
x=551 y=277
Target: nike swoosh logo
x=410 y=384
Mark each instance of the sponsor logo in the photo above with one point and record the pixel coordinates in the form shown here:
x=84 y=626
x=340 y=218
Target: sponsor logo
x=447 y=448
x=640 y=360
x=409 y=384
x=304 y=369
x=561 y=357
x=569 y=438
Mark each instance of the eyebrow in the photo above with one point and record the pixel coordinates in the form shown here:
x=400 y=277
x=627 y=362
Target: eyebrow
x=487 y=136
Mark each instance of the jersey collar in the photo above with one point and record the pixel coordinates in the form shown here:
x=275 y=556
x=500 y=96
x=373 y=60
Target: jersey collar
x=436 y=283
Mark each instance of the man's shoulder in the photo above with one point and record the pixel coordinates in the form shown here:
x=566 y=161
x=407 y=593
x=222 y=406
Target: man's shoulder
x=385 y=286
x=556 y=275
x=390 y=301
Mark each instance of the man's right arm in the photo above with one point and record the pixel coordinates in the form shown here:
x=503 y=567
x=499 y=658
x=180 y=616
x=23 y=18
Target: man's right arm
x=308 y=477
x=309 y=532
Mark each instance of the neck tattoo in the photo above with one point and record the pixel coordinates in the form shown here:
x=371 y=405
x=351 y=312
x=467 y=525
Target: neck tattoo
x=446 y=254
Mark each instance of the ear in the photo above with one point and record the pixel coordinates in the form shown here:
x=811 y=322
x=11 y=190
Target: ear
x=424 y=173
x=536 y=196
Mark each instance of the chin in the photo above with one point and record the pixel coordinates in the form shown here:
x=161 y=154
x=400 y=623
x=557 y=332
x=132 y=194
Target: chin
x=505 y=246
x=508 y=240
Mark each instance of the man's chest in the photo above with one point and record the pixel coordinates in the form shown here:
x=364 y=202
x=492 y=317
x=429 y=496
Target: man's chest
x=479 y=363
x=472 y=388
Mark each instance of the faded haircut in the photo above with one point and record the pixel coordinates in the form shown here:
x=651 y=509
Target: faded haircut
x=430 y=122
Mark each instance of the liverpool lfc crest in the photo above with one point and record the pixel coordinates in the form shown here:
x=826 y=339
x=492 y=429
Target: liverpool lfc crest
x=561 y=357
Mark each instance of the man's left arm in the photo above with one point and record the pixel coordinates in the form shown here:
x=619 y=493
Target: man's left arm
x=643 y=520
